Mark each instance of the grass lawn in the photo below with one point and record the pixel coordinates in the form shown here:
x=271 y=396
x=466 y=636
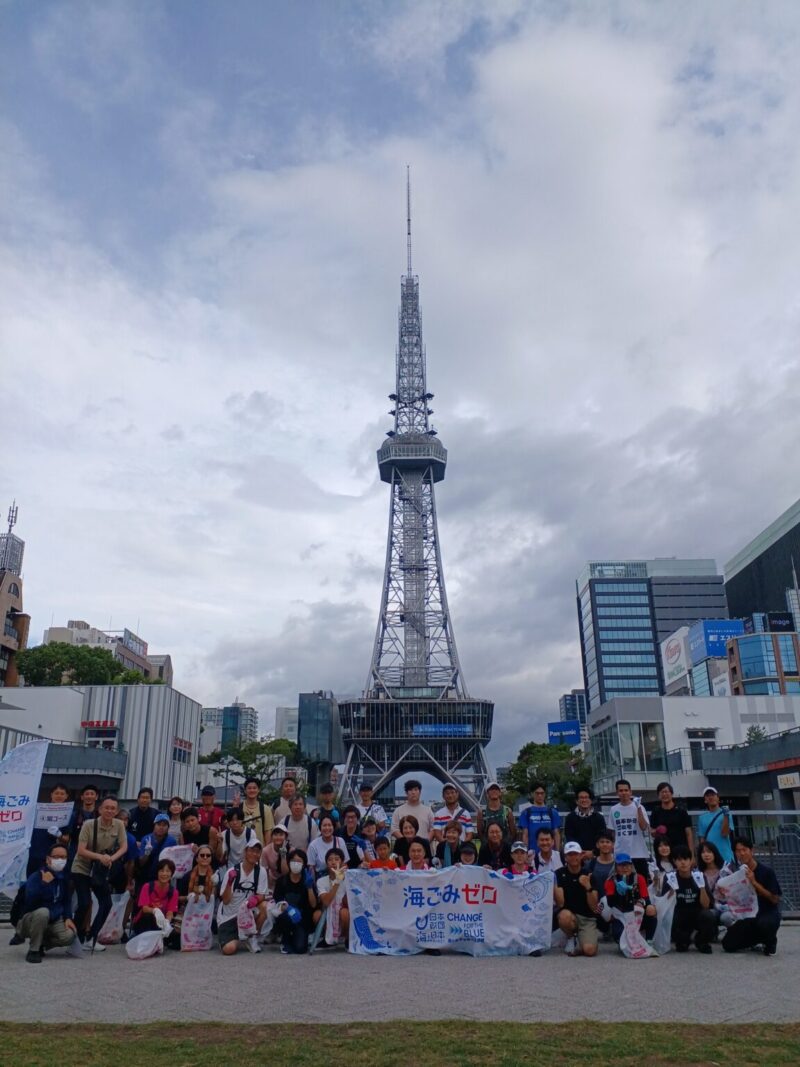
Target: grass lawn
x=446 y=1044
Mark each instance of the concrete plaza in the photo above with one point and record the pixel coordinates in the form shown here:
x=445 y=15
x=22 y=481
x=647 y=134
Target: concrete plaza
x=332 y=986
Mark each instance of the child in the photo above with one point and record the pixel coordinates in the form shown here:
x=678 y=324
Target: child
x=602 y=866
x=624 y=892
x=468 y=854
x=693 y=913
x=383 y=858
x=369 y=835
x=331 y=895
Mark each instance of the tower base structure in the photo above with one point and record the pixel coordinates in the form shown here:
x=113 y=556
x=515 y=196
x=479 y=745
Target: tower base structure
x=389 y=737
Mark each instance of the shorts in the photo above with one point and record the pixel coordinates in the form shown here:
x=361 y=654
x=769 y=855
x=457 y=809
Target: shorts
x=587 y=930
x=228 y=931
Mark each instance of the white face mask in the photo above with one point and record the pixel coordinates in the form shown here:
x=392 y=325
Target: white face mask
x=57 y=865
x=295 y=867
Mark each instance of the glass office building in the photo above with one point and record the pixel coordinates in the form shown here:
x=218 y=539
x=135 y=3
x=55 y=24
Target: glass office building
x=764 y=663
x=626 y=608
x=757 y=578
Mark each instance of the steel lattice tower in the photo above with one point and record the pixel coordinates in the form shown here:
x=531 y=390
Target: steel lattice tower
x=415 y=713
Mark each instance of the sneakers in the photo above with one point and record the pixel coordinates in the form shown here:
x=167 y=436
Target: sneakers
x=571 y=947
x=96 y=947
x=536 y=952
x=33 y=956
x=771 y=948
x=252 y=944
x=284 y=950
x=16 y=940
x=705 y=949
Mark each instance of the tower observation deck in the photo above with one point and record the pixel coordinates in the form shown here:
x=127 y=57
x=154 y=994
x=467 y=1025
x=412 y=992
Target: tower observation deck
x=415 y=714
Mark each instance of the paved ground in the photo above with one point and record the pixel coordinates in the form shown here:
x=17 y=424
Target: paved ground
x=332 y=986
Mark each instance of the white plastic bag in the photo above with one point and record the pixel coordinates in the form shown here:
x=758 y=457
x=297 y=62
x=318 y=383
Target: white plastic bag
x=633 y=945
x=665 y=909
x=734 y=891
x=141 y=947
x=112 y=929
x=196 y=935
x=181 y=855
x=246 y=922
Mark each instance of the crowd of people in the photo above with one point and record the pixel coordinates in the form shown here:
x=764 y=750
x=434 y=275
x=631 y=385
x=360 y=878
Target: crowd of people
x=283 y=865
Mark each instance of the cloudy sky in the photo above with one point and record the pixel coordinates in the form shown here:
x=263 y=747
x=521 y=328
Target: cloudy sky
x=201 y=241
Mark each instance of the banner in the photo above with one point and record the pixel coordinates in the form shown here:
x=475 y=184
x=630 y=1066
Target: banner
x=58 y=815
x=735 y=891
x=466 y=909
x=20 y=778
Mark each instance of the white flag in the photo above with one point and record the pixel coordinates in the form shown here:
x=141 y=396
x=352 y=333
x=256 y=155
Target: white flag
x=20 y=778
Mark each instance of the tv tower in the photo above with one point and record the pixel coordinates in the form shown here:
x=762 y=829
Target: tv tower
x=415 y=714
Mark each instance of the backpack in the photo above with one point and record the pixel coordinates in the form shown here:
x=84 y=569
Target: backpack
x=254 y=877
x=286 y=821
x=249 y=835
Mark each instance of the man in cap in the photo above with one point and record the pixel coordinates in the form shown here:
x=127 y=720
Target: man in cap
x=715 y=825
x=452 y=811
x=244 y=883
x=150 y=849
x=208 y=813
x=413 y=806
x=576 y=902
x=496 y=812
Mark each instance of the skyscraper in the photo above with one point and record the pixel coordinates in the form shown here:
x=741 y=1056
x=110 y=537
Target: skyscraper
x=627 y=607
x=415 y=713
x=14 y=623
x=761 y=576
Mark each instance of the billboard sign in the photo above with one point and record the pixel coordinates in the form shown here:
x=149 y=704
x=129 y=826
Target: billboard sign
x=780 y=621
x=708 y=638
x=564 y=733
x=441 y=729
x=675 y=655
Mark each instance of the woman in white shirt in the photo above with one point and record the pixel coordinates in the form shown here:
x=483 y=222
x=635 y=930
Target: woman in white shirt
x=321 y=846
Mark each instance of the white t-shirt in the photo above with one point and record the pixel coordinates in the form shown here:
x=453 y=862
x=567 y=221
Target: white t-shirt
x=375 y=811
x=624 y=821
x=254 y=882
x=319 y=849
x=540 y=865
x=235 y=846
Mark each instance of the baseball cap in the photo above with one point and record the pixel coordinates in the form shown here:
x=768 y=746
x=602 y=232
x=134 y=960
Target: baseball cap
x=161 y=817
x=254 y=844
x=492 y=785
x=449 y=785
x=572 y=847
x=623 y=857
x=710 y=789
x=279 y=829
x=519 y=847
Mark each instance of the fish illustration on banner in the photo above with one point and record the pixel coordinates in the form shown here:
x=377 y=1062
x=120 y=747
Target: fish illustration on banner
x=462 y=909
x=20 y=778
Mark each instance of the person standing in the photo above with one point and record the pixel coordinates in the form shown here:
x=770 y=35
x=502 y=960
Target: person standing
x=539 y=815
x=670 y=820
x=42 y=840
x=763 y=929
x=300 y=827
x=257 y=816
x=413 y=806
x=453 y=811
x=208 y=813
x=102 y=843
x=142 y=817
x=496 y=812
x=628 y=820
x=584 y=824
x=281 y=807
x=369 y=808
x=716 y=825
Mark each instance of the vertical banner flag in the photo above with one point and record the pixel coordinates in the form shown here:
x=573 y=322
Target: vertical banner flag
x=463 y=908
x=20 y=778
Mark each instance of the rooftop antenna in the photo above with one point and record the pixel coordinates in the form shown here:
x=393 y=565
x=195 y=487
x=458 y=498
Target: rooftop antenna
x=6 y=553
x=12 y=511
x=408 y=216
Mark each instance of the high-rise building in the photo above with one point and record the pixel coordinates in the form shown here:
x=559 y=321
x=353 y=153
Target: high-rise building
x=286 y=723
x=626 y=608
x=125 y=646
x=758 y=576
x=415 y=714
x=573 y=706
x=14 y=623
x=225 y=729
x=764 y=663
x=319 y=735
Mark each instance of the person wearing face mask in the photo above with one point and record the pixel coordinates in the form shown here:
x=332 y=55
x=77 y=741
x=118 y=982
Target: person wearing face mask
x=295 y=893
x=47 y=919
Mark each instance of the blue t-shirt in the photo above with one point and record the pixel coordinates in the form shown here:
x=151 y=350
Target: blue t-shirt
x=535 y=817
x=714 y=833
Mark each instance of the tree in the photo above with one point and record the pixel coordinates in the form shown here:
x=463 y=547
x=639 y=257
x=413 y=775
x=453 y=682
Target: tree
x=255 y=759
x=755 y=733
x=60 y=663
x=557 y=767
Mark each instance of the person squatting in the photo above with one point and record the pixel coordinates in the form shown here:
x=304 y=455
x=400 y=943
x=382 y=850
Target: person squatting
x=275 y=874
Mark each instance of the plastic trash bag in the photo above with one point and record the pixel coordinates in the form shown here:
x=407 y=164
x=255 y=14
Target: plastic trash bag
x=196 y=932
x=141 y=947
x=245 y=922
x=632 y=944
x=112 y=929
x=665 y=909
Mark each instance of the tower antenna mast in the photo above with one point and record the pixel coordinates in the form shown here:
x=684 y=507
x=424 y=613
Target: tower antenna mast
x=408 y=216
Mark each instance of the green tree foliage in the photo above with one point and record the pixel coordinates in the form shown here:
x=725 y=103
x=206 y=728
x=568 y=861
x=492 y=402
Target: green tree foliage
x=755 y=733
x=62 y=664
x=561 y=771
x=256 y=759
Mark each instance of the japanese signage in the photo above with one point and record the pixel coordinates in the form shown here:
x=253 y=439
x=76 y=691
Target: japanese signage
x=709 y=637
x=48 y=815
x=463 y=908
x=20 y=777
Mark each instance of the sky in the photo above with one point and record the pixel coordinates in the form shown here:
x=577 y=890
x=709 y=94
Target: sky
x=202 y=233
